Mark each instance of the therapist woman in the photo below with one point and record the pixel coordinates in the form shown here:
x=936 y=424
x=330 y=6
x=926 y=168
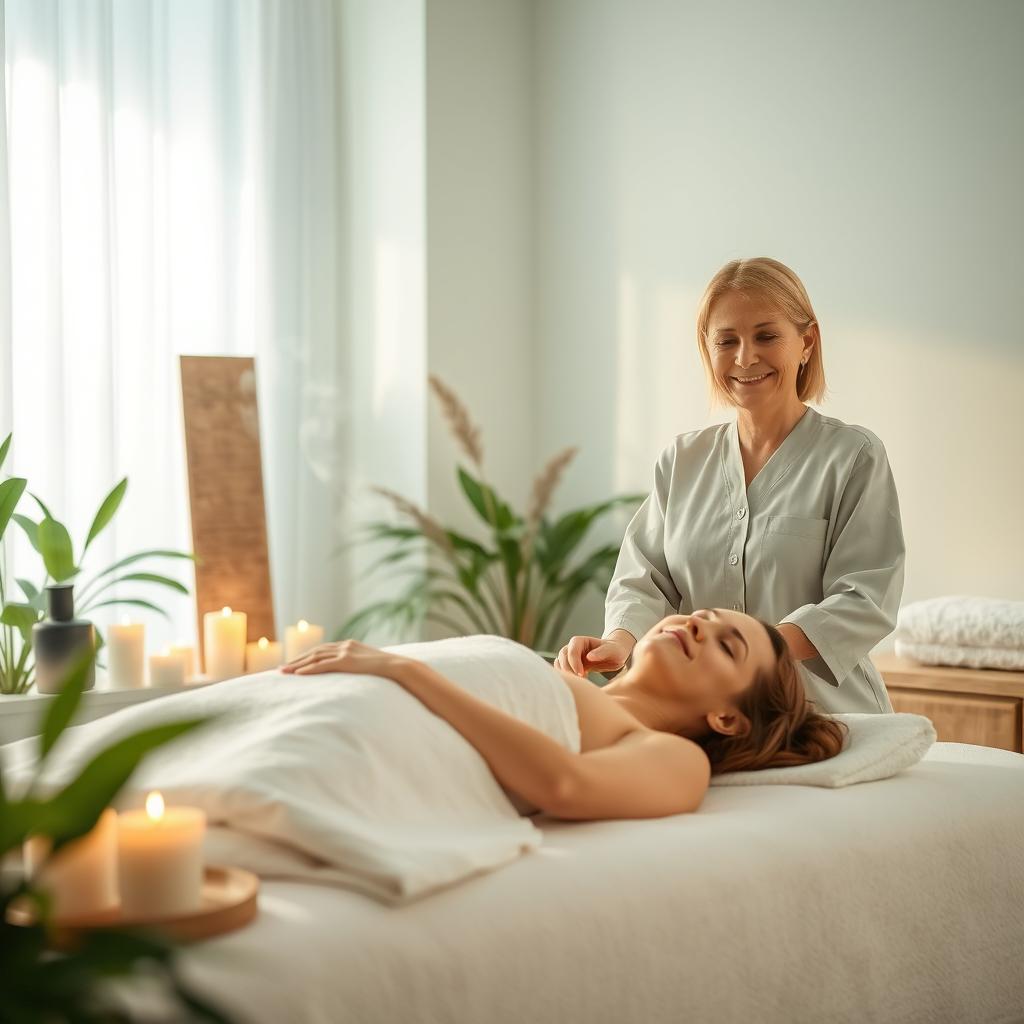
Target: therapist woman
x=782 y=513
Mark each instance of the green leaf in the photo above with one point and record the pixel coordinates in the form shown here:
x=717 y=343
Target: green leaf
x=55 y=545
x=39 y=501
x=77 y=807
x=4 y=448
x=62 y=709
x=28 y=589
x=135 y=602
x=22 y=616
x=156 y=553
x=491 y=509
x=110 y=505
x=136 y=577
x=11 y=491
x=31 y=530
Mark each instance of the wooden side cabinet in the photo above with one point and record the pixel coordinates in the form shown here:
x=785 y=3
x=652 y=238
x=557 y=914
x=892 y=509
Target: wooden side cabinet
x=966 y=705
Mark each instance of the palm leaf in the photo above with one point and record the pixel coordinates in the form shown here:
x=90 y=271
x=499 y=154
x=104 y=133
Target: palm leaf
x=106 y=512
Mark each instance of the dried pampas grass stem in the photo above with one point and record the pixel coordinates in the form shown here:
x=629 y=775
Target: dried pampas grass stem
x=429 y=526
x=461 y=425
x=544 y=486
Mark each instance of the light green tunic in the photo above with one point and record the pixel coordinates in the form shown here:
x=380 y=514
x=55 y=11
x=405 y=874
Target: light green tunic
x=815 y=540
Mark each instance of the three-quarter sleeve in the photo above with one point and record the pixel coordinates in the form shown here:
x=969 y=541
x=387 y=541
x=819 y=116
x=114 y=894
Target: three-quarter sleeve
x=642 y=592
x=863 y=574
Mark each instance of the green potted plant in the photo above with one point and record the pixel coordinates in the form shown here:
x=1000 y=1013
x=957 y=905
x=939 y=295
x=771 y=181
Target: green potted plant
x=50 y=538
x=522 y=580
x=37 y=983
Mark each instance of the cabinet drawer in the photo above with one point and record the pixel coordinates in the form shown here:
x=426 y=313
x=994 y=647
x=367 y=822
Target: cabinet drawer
x=965 y=718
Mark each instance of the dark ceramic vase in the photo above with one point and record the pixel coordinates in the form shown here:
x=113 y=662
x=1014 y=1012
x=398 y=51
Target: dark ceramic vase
x=60 y=639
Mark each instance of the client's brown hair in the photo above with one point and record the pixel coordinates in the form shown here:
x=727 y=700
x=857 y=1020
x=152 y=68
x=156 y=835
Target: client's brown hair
x=785 y=727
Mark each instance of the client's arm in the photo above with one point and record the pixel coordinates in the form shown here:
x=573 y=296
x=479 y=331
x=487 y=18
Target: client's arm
x=645 y=775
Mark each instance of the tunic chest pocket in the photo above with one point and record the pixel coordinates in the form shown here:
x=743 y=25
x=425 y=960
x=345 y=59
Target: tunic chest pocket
x=793 y=552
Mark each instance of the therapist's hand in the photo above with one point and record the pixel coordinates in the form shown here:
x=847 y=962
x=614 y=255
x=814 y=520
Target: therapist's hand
x=583 y=654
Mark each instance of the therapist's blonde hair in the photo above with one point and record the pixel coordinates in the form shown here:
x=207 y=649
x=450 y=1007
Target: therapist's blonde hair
x=785 y=728
x=781 y=288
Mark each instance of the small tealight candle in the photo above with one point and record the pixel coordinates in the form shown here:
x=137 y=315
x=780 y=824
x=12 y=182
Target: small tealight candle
x=167 y=670
x=160 y=859
x=188 y=655
x=262 y=655
x=81 y=877
x=126 y=655
x=224 y=644
x=300 y=638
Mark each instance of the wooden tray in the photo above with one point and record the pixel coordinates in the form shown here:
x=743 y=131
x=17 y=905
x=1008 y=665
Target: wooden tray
x=228 y=902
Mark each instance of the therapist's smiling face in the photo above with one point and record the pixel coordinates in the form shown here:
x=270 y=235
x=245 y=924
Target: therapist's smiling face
x=710 y=657
x=755 y=351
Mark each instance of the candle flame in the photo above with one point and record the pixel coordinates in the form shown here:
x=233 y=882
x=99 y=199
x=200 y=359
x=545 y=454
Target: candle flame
x=225 y=611
x=125 y=620
x=155 y=806
x=262 y=643
x=303 y=625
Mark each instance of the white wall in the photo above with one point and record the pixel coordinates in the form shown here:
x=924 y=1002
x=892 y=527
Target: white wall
x=480 y=231
x=539 y=192
x=437 y=173
x=876 y=149
x=382 y=286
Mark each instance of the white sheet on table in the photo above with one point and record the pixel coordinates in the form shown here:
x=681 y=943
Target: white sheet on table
x=896 y=900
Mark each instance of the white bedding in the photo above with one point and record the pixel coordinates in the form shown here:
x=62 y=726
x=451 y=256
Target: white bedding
x=353 y=773
x=891 y=901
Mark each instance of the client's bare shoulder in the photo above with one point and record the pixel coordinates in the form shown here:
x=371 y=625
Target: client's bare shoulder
x=602 y=720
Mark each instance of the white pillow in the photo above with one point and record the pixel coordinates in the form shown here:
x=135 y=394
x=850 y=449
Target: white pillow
x=876 y=747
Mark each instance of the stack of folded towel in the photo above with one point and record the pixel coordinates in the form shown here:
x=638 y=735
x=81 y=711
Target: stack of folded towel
x=980 y=632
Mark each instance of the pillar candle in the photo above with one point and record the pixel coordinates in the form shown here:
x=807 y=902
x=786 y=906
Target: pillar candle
x=300 y=638
x=126 y=648
x=81 y=877
x=262 y=655
x=167 y=670
x=160 y=859
x=224 y=643
x=188 y=655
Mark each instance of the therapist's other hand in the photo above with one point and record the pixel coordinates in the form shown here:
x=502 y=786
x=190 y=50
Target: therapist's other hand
x=583 y=654
x=346 y=656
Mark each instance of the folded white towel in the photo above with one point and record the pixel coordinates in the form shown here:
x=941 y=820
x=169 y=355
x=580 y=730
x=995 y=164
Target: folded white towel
x=876 y=747
x=968 y=657
x=963 y=621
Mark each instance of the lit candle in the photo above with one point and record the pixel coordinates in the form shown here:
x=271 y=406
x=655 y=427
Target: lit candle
x=126 y=648
x=188 y=655
x=300 y=638
x=81 y=877
x=224 y=643
x=262 y=655
x=160 y=859
x=167 y=670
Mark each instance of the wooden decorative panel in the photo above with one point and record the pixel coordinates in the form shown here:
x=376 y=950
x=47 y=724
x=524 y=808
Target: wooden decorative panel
x=965 y=718
x=225 y=483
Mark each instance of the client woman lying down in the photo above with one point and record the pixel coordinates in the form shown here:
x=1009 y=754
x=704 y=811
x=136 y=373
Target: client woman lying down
x=711 y=692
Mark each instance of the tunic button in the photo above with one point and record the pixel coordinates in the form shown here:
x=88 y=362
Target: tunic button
x=740 y=513
x=733 y=559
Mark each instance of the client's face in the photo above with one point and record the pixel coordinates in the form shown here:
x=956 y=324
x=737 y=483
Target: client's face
x=709 y=658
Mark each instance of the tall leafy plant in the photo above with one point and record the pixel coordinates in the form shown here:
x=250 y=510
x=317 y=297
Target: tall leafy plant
x=37 y=984
x=521 y=580
x=52 y=541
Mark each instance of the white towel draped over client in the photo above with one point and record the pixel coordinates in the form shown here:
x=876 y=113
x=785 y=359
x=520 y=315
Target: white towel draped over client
x=376 y=791
x=348 y=779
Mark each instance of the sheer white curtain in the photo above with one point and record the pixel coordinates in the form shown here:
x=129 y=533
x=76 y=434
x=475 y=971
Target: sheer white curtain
x=170 y=172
